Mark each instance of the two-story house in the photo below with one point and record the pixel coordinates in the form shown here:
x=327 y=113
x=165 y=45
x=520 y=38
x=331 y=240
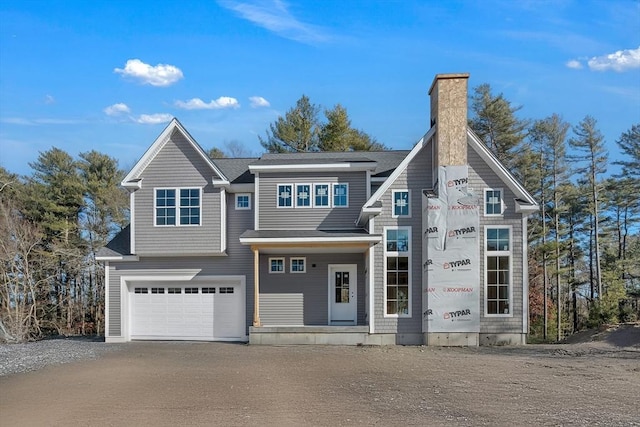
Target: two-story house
x=426 y=246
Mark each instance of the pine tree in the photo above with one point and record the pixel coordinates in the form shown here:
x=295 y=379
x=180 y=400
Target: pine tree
x=297 y=131
x=338 y=135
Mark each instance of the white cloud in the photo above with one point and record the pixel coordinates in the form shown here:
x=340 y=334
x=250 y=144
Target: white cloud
x=620 y=61
x=153 y=119
x=275 y=16
x=48 y=99
x=215 y=104
x=117 y=109
x=575 y=64
x=258 y=101
x=159 y=75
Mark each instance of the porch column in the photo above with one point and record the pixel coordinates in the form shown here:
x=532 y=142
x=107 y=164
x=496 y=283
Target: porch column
x=256 y=286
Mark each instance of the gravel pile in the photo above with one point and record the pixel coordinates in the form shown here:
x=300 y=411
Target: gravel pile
x=17 y=358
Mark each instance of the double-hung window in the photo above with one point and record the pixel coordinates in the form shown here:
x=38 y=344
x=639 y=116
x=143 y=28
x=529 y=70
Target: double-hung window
x=401 y=205
x=397 y=250
x=303 y=195
x=321 y=195
x=175 y=206
x=493 y=202
x=498 y=256
x=340 y=195
x=285 y=198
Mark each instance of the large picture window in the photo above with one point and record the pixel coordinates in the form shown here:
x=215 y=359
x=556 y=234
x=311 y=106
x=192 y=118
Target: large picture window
x=397 y=272
x=498 y=271
x=182 y=210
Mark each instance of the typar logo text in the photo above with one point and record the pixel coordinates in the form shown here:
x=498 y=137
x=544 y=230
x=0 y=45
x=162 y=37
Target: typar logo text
x=457 y=182
x=464 y=231
x=456 y=264
x=457 y=315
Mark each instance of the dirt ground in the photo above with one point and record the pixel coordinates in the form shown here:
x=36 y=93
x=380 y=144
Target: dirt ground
x=592 y=382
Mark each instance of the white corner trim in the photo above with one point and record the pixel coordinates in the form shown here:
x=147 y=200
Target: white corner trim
x=256 y=203
x=106 y=300
x=525 y=278
x=132 y=223
x=223 y=220
x=372 y=282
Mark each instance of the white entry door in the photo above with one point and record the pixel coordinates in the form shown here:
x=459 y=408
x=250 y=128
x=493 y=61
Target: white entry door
x=343 y=295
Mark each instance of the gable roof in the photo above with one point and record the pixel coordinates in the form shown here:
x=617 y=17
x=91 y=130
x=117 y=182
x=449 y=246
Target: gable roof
x=236 y=169
x=132 y=180
x=525 y=201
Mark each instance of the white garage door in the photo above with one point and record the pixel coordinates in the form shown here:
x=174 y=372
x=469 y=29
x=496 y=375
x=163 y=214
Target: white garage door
x=185 y=311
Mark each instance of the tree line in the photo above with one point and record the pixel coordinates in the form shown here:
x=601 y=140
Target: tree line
x=584 y=244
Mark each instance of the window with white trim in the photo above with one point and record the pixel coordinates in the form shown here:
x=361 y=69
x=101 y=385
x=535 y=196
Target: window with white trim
x=397 y=290
x=285 y=195
x=493 y=202
x=276 y=265
x=303 y=195
x=321 y=195
x=340 y=195
x=186 y=207
x=401 y=206
x=298 y=265
x=498 y=255
x=243 y=201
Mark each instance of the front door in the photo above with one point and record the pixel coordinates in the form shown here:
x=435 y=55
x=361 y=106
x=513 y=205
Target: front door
x=343 y=307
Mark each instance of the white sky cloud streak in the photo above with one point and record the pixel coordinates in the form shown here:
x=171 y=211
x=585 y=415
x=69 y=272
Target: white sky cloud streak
x=117 y=109
x=575 y=64
x=215 y=104
x=159 y=75
x=258 y=102
x=274 y=15
x=153 y=119
x=620 y=61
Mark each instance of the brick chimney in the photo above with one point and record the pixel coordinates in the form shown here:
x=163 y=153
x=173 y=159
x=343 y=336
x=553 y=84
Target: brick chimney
x=448 y=94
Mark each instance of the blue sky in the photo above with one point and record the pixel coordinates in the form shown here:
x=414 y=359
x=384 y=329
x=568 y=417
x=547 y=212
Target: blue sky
x=109 y=75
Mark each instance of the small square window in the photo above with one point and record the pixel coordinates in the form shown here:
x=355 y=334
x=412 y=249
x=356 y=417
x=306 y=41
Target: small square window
x=243 y=201
x=298 y=265
x=276 y=265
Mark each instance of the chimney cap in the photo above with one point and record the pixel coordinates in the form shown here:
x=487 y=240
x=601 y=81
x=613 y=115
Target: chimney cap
x=447 y=76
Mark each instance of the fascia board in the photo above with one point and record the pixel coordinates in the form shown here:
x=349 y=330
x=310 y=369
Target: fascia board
x=349 y=166
x=287 y=241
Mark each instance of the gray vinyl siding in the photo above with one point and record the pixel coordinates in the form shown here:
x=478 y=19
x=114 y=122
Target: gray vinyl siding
x=238 y=262
x=481 y=177
x=303 y=298
x=177 y=165
x=415 y=178
x=272 y=217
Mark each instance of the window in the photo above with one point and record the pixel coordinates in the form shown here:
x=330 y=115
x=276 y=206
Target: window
x=303 y=195
x=321 y=195
x=165 y=207
x=226 y=290
x=208 y=290
x=340 y=195
x=276 y=265
x=298 y=265
x=190 y=206
x=190 y=290
x=498 y=271
x=141 y=290
x=243 y=201
x=157 y=290
x=401 y=203
x=492 y=202
x=174 y=290
x=397 y=272
x=284 y=195
x=187 y=205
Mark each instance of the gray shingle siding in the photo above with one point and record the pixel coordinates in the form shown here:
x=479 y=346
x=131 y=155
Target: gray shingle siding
x=272 y=217
x=177 y=165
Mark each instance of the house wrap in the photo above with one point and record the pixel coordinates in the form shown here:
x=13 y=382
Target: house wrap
x=421 y=246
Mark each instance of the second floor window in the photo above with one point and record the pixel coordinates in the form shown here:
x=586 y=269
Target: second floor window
x=243 y=201
x=340 y=195
x=303 y=195
x=321 y=195
x=401 y=203
x=181 y=210
x=284 y=195
x=492 y=202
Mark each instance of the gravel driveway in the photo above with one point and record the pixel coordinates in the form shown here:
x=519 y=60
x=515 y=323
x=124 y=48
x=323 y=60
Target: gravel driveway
x=171 y=383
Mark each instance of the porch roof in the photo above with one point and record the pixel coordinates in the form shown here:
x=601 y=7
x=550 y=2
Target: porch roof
x=274 y=241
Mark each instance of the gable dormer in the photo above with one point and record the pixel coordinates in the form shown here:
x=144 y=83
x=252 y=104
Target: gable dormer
x=178 y=204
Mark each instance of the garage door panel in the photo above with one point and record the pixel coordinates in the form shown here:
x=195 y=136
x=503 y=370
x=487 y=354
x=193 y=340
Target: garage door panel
x=184 y=311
